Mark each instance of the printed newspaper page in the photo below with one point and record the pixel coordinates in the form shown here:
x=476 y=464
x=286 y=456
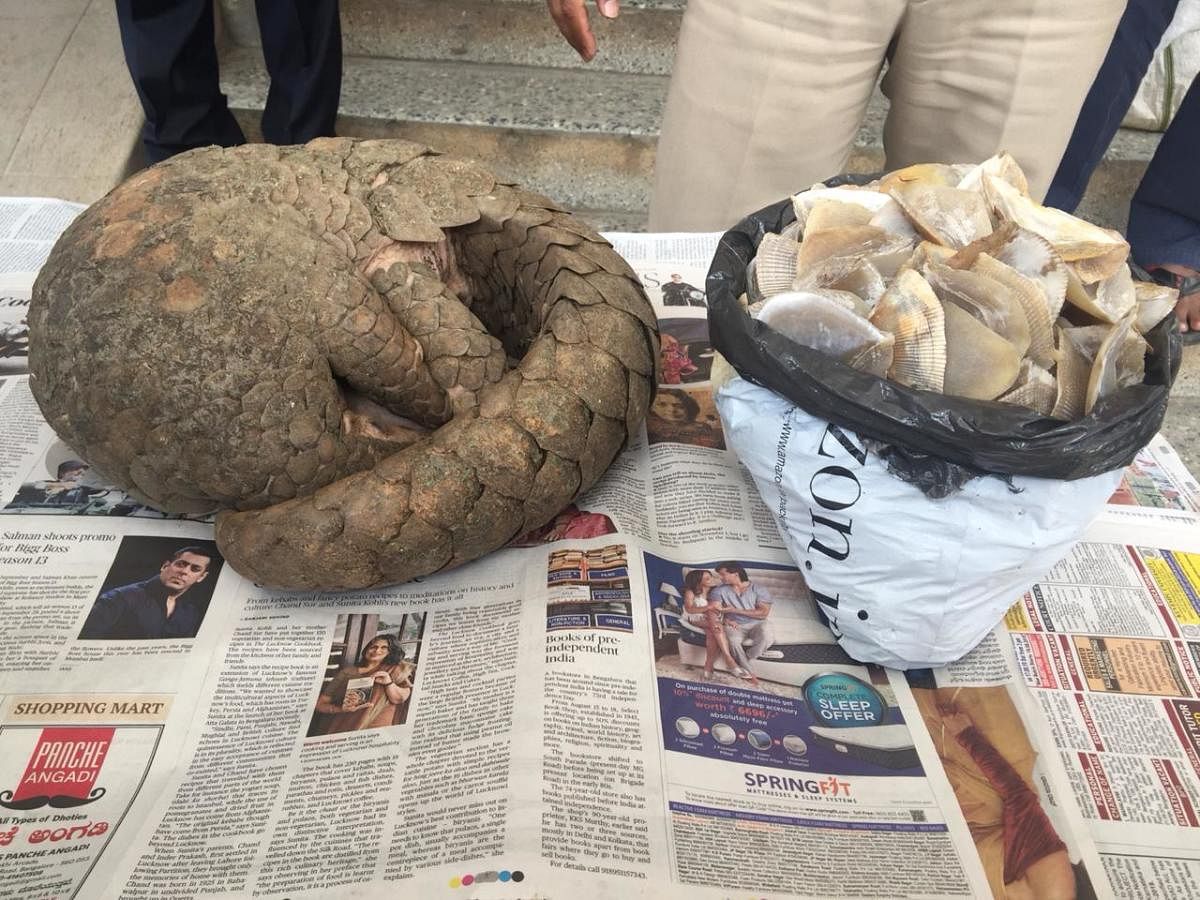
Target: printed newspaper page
x=491 y=729
x=1012 y=788
x=353 y=740
x=1157 y=487
x=1109 y=644
x=639 y=699
x=108 y=629
x=700 y=493
x=29 y=226
x=28 y=229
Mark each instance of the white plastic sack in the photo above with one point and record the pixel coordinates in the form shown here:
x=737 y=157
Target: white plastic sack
x=1175 y=64
x=906 y=581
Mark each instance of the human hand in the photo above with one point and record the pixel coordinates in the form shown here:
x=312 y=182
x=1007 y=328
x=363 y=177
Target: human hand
x=383 y=678
x=572 y=20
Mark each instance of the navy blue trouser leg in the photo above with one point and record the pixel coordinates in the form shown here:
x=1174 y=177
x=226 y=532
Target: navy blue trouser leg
x=302 y=47
x=1164 y=217
x=172 y=58
x=1138 y=35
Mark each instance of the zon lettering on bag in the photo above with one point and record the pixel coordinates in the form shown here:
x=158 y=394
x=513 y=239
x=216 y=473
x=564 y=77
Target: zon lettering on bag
x=822 y=491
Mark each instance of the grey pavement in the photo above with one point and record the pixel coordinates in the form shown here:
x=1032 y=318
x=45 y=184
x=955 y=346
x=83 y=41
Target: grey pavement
x=486 y=78
x=69 y=112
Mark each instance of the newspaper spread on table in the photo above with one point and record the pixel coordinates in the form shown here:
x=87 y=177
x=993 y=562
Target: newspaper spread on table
x=543 y=724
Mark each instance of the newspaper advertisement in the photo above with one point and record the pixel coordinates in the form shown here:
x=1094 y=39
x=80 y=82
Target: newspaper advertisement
x=638 y=699
x=1108 y=643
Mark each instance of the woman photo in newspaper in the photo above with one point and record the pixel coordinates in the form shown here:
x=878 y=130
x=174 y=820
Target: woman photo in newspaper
x=372 y=691
x=682 y=416
x=709 y=614
x=990 y=762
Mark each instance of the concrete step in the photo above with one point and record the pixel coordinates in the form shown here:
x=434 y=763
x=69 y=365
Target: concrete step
x=514 y=97
x=504 y=32
x=585 y=138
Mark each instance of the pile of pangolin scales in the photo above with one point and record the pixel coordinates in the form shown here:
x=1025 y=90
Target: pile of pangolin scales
x=952 y=279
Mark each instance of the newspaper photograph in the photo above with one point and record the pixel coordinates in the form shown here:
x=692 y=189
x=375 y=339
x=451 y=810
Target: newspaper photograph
x=14 y=332
x=1157 y=486
x=28 y=229
x=1028 y=830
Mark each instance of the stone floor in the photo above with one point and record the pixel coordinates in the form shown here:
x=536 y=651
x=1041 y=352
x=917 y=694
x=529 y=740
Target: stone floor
x=69 y=116
x=1182 y=426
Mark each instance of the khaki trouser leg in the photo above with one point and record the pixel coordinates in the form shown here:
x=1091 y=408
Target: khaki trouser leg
x=971 y=77
x=768 y=95
x=736 y=650
x=766 y=99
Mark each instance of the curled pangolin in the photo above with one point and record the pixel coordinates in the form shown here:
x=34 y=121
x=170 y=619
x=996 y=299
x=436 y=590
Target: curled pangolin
x=258 y=330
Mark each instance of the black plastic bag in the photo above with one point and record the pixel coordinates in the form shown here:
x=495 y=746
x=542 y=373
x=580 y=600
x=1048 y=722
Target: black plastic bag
x=926 y=430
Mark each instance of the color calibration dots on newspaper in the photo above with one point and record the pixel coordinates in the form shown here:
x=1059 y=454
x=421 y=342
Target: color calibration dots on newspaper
x=484 y=877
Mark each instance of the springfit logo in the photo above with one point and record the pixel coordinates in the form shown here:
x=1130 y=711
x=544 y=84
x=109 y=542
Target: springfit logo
x=62 y=770
x=830 y=785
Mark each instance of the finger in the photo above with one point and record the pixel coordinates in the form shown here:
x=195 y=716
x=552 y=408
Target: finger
x=1188 y=313
x=572 y=20
x=610 y=9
